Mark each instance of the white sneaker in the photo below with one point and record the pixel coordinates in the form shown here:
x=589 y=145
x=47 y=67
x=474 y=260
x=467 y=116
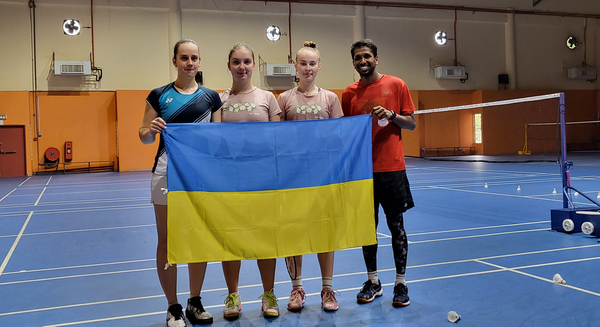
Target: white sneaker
x=269 y=308
x=175 y=316
x=195 y=312
x=233 y=306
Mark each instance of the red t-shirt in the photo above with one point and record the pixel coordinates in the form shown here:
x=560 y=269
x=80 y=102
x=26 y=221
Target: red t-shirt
x=391 y=93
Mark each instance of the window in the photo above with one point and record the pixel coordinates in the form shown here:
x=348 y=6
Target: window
x=477 y=128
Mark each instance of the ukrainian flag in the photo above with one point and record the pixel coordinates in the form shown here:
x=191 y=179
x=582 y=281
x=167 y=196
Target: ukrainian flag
x=264 y=190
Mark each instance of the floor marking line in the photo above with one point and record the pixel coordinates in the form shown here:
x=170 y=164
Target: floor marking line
x=80 y=266
x=49 y=179
x=85 y=230
x=477 y=228
x=499 y=194
x=24 y=181
x=9 y=193
x=49 y=212
x=39 y=197
x=540 y=278
x=14 y=245
x=474 y=236
x=499 y=269
x=88 y=275
x=556 y=263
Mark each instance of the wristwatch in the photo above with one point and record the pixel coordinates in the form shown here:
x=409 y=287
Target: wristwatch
x=393 y=115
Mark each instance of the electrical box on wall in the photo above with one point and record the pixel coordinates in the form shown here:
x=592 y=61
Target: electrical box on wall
x=72 y=68
x=279 y=70
x=582 y=73
x=450 y=72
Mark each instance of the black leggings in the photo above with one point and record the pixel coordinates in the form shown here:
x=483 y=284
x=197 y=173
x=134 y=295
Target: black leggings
x=399 y=245
x=392 y=191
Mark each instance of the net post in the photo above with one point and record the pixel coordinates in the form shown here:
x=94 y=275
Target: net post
x=564 y=164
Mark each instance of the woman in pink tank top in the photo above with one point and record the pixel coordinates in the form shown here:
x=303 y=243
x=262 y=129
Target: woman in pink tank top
x=308 y=102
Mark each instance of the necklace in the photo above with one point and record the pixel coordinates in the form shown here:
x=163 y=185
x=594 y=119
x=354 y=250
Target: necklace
x=309 y=92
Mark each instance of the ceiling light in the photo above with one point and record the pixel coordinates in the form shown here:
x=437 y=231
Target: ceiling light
x=273 y=33
x=441 y=38
x=572 y=42
x=71 y=27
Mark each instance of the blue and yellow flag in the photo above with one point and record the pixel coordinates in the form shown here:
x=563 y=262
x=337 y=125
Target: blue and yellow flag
x=264 y=190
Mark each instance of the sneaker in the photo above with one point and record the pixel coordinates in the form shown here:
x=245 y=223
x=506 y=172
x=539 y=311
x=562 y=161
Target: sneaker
x=175 y=316
x=401 y=298
x=269 y=307
x=233 y=305
x=369 y=292
x=195 y=312
x=328 y=301
x=297 y=298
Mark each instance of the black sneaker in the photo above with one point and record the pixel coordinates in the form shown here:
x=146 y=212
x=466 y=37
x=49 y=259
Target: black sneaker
x=195 y=312
x=175 y=316
x=401 y=298
x=369 y=292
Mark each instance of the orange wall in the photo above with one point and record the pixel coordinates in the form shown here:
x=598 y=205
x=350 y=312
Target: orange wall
x=103 y=126
x=504 y=127
x=133 y=154
x=88 y=119
x=447 y=129
x=16 y=106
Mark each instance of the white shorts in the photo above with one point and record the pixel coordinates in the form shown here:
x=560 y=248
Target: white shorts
x=158 y=188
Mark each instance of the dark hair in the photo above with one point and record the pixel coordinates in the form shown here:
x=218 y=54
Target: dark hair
x=240 y=45
x=180 y=42
x=364 y=43
x=309 y=46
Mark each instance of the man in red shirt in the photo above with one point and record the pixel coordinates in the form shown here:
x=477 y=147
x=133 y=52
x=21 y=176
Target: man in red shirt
x=387 y=98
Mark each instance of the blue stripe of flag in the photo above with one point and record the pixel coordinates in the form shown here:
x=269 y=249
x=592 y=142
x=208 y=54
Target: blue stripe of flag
x=261 y=156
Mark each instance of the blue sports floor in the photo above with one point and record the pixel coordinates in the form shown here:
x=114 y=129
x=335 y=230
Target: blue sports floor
x=78 y=250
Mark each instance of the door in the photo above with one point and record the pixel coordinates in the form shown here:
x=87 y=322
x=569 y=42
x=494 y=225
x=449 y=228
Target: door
x=12 y=151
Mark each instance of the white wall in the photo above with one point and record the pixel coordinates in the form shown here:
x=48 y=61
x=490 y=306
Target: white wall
x=132 y=47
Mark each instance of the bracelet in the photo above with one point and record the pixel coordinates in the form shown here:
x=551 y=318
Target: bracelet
x=393 y=115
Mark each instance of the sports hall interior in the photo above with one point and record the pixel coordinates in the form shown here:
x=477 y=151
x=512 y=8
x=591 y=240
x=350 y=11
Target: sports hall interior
x=511 y=50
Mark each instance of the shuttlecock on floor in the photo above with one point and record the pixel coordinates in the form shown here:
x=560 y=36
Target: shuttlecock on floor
x=558 y=279
x=519 y=188
x=554 y=191
x=453 y=316
x=487 y=187
x=576 y=193
x=598 y=195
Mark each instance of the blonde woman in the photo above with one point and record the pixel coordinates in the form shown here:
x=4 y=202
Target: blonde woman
x=307 y=102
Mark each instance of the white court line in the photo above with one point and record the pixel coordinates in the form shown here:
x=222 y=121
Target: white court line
x=499 y=269
x=315 y=278
x=478 y=228
x=80 y=266
x=87 y=275
x=53 y=211
x=90 y=192
x=39 y=197
x=49 y=179
x=96 y=201
x=494 y=171
x=83 y=230
x=24 y=181
x=14 y=246
x=9 y=193
x=474 y=236
x=76 y=276
x=500 y=194
x=540 y=278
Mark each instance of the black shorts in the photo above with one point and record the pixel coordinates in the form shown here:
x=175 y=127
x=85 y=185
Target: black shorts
x=392 y=191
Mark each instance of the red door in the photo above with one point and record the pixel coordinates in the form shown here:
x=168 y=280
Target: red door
x=12 y=151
